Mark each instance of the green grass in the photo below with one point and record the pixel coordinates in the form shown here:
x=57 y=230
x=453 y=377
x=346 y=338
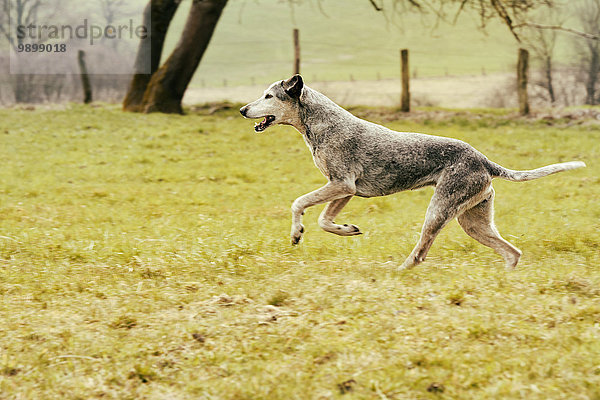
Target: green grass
x=147 y=256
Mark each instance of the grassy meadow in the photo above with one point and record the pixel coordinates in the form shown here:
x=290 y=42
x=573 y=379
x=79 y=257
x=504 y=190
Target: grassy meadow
x=148 y=257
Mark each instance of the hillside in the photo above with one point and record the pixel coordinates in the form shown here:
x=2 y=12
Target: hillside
x=343 y=41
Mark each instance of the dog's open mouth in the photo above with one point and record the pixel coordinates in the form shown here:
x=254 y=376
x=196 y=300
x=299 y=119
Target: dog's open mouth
x=264 y=124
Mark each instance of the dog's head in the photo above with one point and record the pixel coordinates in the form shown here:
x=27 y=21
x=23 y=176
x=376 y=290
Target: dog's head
x=278 y=104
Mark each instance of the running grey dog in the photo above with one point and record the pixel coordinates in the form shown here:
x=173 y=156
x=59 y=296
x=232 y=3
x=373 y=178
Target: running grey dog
x=360 y=158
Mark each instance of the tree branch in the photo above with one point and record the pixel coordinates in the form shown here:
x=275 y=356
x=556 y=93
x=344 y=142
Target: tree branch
x=503 y=14
x=558 y=28
x=31 y=16
x=377 y=8
x=460 y=9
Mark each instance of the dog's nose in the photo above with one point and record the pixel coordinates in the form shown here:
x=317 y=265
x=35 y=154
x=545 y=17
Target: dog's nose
x=243 y=111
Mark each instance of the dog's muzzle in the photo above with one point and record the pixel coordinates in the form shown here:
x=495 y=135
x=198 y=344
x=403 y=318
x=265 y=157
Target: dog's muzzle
x=259 y=126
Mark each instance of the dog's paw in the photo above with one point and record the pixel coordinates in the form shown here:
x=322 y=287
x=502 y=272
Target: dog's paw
x=350 y=230
x=297 y=232
x=345 y=230
x=342 y=230
x=409 y=263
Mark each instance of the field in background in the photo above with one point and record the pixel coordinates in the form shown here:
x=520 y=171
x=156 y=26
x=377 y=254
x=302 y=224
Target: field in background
x=147 y=256
x=343 y=41
x=465 y=91
x=351 y=52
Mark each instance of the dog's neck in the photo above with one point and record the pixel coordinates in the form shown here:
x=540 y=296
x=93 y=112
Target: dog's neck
x=317 y=116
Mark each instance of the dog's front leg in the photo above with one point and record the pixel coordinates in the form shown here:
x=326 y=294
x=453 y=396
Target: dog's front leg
x=333 y=190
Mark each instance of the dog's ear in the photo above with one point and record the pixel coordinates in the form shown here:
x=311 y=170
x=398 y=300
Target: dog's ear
x=293 y=86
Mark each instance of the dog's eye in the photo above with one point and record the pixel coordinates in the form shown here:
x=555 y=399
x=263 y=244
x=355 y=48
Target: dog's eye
x=268 y=96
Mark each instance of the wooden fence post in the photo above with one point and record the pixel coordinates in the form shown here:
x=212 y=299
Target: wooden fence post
x=85 y=78
x=296 y=51
x=522 y=70
x=405 y=100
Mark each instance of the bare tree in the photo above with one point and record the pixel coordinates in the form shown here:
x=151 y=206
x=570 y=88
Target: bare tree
x=513 y=13
x=543 y=42
x=27 y=87
x=50 y=80
x=588 y=49
x=18 y=13
x=163 y=89
x=168 y=85
x=158 y=15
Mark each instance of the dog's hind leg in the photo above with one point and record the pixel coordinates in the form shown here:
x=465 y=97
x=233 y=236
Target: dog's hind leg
x=478 y=222
x=328 y=215
x=435 y=220
x=456 y=191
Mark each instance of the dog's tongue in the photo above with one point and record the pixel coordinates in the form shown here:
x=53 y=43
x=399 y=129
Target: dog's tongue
x=260 y=126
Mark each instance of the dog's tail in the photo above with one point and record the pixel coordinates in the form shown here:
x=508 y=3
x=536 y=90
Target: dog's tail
x=522 y=176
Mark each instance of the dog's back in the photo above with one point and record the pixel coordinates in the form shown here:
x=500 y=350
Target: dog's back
x=381 y=160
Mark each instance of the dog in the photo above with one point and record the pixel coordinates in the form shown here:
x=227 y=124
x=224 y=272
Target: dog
x=361 y=158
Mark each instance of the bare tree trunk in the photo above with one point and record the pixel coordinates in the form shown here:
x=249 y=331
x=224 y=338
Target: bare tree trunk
x=549 y=86
x=592 y=76
x=588 y=15
x=158 y=15
x=24 y=14
x=167 y=86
